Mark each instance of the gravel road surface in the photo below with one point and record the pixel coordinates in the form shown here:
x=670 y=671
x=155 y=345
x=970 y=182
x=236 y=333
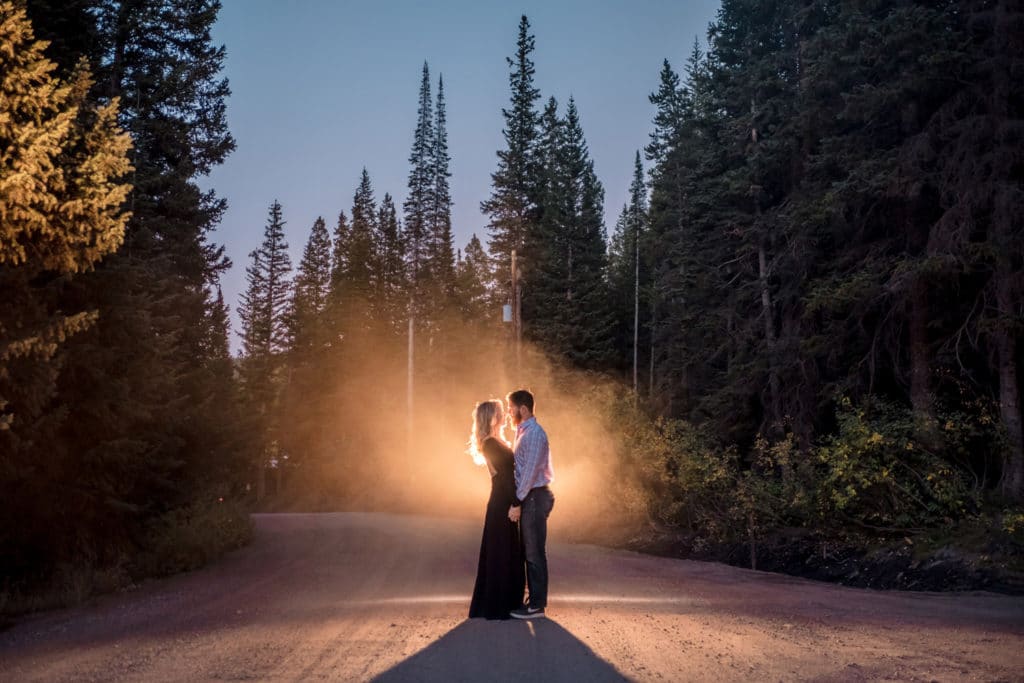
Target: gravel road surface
x=367 y=596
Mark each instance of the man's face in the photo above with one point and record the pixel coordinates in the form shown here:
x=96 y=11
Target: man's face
x=514 y=412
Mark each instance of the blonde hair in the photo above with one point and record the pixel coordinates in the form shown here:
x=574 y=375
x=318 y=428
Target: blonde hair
x=483 y=420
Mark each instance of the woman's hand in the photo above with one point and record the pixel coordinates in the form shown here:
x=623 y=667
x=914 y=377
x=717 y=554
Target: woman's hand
x=514 y=513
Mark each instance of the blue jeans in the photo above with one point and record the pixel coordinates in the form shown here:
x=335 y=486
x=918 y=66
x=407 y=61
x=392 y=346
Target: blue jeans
x=534 y=528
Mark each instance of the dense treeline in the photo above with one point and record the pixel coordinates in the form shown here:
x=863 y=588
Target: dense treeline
x=118 y=420
x=819 y=273
x=811 y=302
x=832 y=257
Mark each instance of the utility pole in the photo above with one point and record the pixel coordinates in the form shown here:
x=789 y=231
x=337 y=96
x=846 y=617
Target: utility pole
x=636 y=299
x=517 y=312
x=409 y=382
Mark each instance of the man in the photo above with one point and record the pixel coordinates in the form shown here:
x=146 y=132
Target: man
x=534 y=499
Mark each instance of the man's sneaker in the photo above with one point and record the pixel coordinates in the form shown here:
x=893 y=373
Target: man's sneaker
x=528 y=613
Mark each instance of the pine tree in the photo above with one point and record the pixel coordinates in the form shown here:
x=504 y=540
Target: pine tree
x=339 y=254
x=670 y=101
x=277 y=267
x=685 y=248
x=220 y=331
x=565 y=296
x=61 y=198
x=264 y=312
x=473 y=291
x=252 y=310
x=442 y=256
x=419 y=202
x=544 y=248
x=148 y=423
x=974 y=135
x=392 y=291
x=265 y=305
x=310 y=292
x=160 y=61
x=303 y=407
x=357 y=257
x=628 y=265
x=513 y=202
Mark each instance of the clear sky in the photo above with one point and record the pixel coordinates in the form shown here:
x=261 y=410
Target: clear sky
x=322 y=88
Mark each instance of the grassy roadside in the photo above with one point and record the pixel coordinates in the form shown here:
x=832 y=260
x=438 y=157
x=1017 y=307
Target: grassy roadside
x=180 y=540
x=977 y=554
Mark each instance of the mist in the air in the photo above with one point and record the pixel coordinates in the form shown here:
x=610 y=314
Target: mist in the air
x=374 y=454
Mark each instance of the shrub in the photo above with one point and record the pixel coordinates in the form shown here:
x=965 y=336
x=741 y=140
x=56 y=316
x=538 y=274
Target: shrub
x=191 y=536
x=879 y=472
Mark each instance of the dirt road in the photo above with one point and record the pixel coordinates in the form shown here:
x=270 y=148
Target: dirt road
x=353 y=596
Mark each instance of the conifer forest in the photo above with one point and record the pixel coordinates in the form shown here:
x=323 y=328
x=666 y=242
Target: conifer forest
x=806 y=322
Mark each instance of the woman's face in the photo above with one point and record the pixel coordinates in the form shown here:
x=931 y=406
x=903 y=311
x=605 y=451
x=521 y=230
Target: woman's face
x=499 y=416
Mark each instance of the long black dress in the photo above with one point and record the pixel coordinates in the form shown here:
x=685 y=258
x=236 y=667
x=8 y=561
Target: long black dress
x=501 y=574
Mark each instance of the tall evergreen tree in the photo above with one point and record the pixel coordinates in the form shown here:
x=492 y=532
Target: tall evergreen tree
x=566 y=290
x=264 y=313
x=276 y=268
x=513 y=201
x=442 y=251
x=357 y=259
x=140 y=383
x=392 y=291
x=670 y=101
x=303 y=407
x=473 y=291
x=310 y=291
x=419 y=203
x=61 y=197
x=626 y=266
x=975 y=135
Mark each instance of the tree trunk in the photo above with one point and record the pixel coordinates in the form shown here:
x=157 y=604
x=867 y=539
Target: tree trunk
x=261 y=479
x=1007 y=245
x=920 y=373
x=636 y=301
x=773 y=417
x=1012 y=483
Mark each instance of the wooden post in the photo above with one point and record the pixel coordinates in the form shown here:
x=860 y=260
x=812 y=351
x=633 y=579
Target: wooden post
x=517 y=313
x=409 y=383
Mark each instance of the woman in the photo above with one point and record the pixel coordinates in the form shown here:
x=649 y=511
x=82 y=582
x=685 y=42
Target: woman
x=501 y=575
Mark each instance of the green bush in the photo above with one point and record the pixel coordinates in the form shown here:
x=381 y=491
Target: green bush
x=191 y=536
x=882 y=469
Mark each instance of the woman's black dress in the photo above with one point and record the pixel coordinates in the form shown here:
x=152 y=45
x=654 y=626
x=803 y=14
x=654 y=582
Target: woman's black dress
x=501 y=575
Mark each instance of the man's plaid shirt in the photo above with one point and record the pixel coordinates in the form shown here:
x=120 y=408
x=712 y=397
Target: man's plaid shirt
x=532 y=458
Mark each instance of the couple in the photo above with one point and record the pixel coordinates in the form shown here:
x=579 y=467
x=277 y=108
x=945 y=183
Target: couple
x=515 y=528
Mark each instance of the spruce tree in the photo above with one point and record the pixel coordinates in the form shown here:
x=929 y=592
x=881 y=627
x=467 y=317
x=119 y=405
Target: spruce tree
x=473 y=292
x=339 y=254
x=975 y=138
x=62 y=192
x=442 y=256
x=310 y=291
x=628 y=265
x=154 y=294
x=357 y=276
x=565 y=293
x=392 y=291
x=670 y=101
x=264 y=312
x=512 y=206
x=420 y=203
x=303 y=405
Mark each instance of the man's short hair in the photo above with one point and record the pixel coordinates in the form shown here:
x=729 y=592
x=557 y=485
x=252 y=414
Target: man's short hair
x=521 y=397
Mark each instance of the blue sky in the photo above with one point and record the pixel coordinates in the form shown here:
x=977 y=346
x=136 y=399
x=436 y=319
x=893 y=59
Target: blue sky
x=322 y=88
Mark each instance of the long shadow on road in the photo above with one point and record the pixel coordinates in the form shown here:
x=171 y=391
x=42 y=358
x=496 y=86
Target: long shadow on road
x=480 y=650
